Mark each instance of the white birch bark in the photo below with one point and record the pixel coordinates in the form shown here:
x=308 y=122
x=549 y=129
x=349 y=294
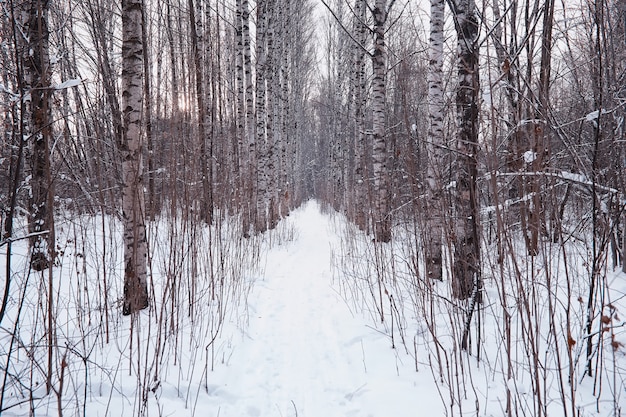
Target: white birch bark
x=285 y=105
x=133 y=206
x=270 y=155
x=359 y=97
x=435 y=162
x=251 y=172
x=382 y=221
x=261 y=122
x=240 y=106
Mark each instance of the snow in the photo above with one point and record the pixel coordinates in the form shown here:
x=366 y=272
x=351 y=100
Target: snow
x=300 y=338
x=304 y=352
x=530 y=156
x=293 y=348
x=595 y=114
x=68 y=84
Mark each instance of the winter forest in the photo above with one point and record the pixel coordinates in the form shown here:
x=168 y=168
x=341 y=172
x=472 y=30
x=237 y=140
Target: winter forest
x=313 y=208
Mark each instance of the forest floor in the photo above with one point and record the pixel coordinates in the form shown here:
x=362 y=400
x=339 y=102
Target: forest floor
x=298 y=336
x=305 y=353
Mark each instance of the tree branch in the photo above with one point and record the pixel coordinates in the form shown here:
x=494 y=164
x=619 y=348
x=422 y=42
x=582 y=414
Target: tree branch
x=346 y=30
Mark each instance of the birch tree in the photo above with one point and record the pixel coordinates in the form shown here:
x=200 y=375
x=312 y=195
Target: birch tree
x=131 y=143
x=359 y=95
x=380 y=152
x=271 y=66
x=434 y=209
x=205 y=157
x=240 y=105
x=250 y=138
x=261 y=113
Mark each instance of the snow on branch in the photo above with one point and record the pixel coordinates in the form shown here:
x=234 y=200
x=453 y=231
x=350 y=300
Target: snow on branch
x=74 y=82
x=563 y=175
x=571 y=177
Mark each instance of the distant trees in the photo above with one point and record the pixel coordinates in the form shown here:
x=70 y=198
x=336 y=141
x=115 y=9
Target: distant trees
x=368 y=151
x=282 y=78
x=360 y=175
x=373 y=141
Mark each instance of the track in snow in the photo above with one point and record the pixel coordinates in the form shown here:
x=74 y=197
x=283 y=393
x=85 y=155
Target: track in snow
x=304 y=354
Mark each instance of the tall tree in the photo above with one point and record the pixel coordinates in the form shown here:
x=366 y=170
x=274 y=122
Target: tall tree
x=271 y=71
x=37 y=127
x=466 y=270
x=250 y=143
x=540 y=146
x=380 y=151
x=434 y=170
x=151 y=208
x=205 y=157
x=36 y=130
x=240 y=106
x=262 y=190
x=359 y=96
x=131 y=144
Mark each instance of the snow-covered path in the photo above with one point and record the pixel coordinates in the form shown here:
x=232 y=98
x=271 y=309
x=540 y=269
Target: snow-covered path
x=304 y=353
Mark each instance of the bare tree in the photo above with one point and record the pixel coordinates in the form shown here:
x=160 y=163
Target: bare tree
x=380 y=151
x=205 y=158
x=262 y=186
x=271 y=68
x=466 y=273
x=359 y=96
x=250 y=207
x=434 y=171
x=37 y=127
x=240 y=106
x=131 y=143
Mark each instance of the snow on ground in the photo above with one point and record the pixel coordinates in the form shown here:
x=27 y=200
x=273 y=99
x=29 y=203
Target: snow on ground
x=304 y=353
x=291 y=347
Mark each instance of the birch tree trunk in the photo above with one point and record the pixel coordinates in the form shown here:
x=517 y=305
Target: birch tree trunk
x=434 y=171
x=269 y=156
x=205 y=158
x=466 y=270
x=37 y=129
x=240 y=107
x=359 y=96
x=250 y=138
x=380 y=154
x=287 y=40
x=131 y=143
x=261 y=122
